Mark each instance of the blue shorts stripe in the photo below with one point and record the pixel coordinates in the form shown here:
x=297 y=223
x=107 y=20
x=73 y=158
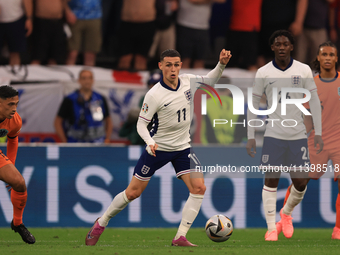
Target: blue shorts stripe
x=145 y=179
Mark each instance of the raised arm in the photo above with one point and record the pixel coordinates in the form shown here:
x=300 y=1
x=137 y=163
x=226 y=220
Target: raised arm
x=215 y=74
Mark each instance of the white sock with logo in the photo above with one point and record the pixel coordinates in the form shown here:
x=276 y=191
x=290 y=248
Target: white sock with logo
x=119 y=202
x=269 y=205
x=295 y=197
x=189 y=213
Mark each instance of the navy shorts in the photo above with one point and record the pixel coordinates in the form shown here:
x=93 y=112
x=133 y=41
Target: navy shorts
x=192 y=43
x=135 y=38
x=147 y=165
x=290 y=153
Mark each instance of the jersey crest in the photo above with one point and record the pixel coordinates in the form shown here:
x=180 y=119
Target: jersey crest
x=187 y=94
x=3 y=132
x=296 y=80
x=265 y=158
x=145 y=169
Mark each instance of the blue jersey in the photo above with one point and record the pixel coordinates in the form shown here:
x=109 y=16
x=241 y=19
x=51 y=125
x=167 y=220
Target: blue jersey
x=86 y=9
x=83 y=120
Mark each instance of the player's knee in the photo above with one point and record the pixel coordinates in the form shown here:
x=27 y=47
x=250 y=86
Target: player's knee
x=19 y=185
x=132 y=195
x=271 y=182
x=200 y=189
x=300 y=186
x=203 y=189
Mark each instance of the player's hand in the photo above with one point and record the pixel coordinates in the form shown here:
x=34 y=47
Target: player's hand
x=225 y=56
x=318 y=141
x=151 y=149
x=9 y=187
x=251 y=147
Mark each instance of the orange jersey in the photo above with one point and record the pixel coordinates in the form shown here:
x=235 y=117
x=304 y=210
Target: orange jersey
x=11 y=127
x=329 y=95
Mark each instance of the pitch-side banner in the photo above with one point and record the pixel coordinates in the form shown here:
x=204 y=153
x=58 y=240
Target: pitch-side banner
x=39 y=103
x=73 y=186
x=45 y=87
x=38 y=106
x=31 y=73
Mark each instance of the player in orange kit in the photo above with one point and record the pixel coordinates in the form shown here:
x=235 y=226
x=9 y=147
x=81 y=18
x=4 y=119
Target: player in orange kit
x=10 y=125
x=328 y=85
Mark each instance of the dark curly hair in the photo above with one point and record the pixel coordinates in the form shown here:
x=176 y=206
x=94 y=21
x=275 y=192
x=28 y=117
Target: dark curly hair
x=278 y=33
x=316 y=63
x=7 y=92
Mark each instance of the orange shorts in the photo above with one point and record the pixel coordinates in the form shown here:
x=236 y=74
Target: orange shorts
x=319 y=162
x=4 y=160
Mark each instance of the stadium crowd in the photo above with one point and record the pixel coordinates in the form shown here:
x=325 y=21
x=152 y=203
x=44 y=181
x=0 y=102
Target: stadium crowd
x=130 y=34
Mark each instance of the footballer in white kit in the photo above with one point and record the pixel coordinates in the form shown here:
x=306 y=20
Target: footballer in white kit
x=169 y=106
x=296 y=75
x=285 y=138
x=170 y=110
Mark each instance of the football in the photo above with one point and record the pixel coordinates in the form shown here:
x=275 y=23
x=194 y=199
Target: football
x=219 y=228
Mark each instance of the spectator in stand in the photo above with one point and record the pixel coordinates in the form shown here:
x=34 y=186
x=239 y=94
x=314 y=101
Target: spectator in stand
x=15 y=26
x=276 y=15
x=219 y=26
x=314 y=30
x=193 y=31
x=165 y=37
x=84 y=115
x=334 y=23
x=49 y=39
x=136 y=33
x=84 y=18
x=245 y=24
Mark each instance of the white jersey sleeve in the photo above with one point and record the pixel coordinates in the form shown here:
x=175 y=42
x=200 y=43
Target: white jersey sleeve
x=149 y=108
x=210 y=78
x=214 y=75
x=257 y=91
x=314 y=102
x=258 y=87
x=309 y=82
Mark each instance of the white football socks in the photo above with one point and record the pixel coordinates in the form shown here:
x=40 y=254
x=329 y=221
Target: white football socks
x=269 y=205
x=189 y=213
x=119 y=202
x=295 y=197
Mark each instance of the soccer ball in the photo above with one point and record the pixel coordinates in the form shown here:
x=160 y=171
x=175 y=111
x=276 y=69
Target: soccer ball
x=219 y=228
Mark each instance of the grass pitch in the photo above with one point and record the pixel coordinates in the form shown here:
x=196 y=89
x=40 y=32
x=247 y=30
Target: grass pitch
x=140 y=241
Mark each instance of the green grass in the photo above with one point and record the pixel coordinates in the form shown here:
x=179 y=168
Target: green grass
x=117 y=241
